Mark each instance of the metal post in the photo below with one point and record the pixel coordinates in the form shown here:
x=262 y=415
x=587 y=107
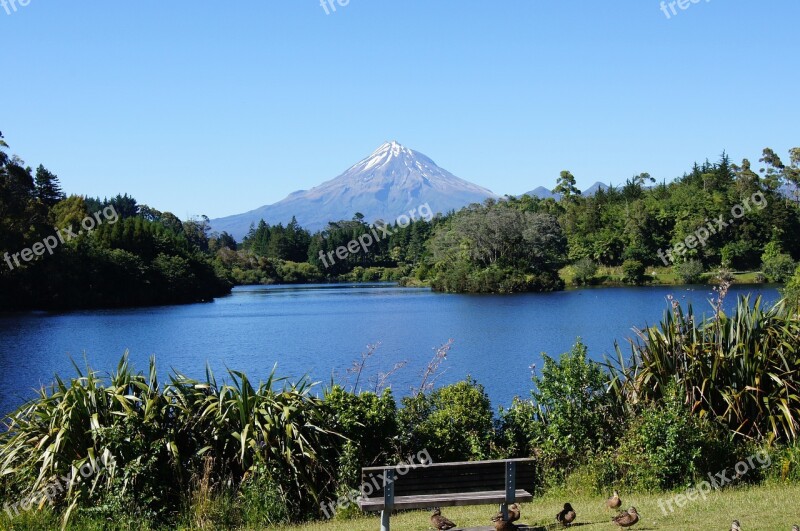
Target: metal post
x=385 y=520
x=388 y=498
x=504 y=511
x=511 y=482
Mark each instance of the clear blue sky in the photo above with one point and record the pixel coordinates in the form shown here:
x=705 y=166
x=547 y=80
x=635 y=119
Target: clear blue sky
x=220 y=107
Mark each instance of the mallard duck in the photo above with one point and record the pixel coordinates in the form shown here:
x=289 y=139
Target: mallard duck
x=514 y=513
x=795 y=528
x=503 y=525
x=626 y=519
x=736 y=526
x=440 y=522
x=614 y=502
x=567 y=516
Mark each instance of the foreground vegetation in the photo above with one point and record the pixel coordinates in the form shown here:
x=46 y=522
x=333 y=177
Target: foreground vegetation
x=693 y=398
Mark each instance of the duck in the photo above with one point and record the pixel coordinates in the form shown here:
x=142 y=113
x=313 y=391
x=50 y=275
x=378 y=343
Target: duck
x=736 y=526
x=514 y=513
x=614 y=502
x=796 y=528
x=626 y=519
x=440 y=522
x=505 y=525
x=567 y=516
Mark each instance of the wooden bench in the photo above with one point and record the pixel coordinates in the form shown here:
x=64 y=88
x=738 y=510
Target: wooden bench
x=420 y=486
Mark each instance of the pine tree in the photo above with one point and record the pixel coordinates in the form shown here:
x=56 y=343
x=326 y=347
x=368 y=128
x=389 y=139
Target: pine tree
x=48 y=188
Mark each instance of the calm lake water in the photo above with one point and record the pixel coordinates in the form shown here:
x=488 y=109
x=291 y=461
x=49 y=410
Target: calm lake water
x=321 y=329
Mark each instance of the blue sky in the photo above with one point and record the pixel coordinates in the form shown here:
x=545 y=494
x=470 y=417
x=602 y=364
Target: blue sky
x=220 y=107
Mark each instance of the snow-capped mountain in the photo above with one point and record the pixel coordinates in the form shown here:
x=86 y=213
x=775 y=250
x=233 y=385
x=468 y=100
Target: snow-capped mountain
x=392 y=181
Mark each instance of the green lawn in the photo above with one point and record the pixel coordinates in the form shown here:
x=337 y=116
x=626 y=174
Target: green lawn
x=763 y=508
x=757 y=508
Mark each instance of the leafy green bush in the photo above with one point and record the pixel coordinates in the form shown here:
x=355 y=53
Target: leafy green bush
x=777 y=265
x=297 y=273
x=665 y=446
x=792 y=291
x=369 y=424
x=575 y=410
x=689 y=272
x=785 y=464
x=516 y=430
x=633 y=272
x=454 y=423
x=585 y=269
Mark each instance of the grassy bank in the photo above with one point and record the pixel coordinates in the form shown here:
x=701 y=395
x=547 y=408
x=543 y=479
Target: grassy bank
x=770 y=507
x=759 y=508
x=655 y=276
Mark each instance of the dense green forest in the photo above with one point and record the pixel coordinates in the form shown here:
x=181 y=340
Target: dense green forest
x=64 y=252
x=76 y=252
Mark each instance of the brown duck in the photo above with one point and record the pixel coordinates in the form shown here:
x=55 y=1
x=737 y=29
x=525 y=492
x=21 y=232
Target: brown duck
x=440 y=522
x=514 y=512
x=567 y=516
x=614 y=502
x=503 y=525
x=626 y=519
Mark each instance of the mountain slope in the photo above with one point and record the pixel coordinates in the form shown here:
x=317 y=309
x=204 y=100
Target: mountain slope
x=392 y=181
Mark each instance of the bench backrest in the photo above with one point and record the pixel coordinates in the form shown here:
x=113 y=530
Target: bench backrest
x=449 y=478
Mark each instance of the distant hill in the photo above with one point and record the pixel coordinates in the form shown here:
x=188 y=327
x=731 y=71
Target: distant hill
x=543 y=193
x=390 y=182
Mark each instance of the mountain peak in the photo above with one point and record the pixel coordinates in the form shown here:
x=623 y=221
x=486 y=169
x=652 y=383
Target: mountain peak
x=391 y=181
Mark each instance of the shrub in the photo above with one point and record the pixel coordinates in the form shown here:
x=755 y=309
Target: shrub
x=666 y=447
x=517 y=428
x=777 y=265
x=792 y=291
x=574 y=408
x=585 y=269
x=690 y=271
x=633 y=272
x=454 y=423
x=369 y=423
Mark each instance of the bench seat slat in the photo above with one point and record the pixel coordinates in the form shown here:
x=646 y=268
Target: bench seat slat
x=444 y=500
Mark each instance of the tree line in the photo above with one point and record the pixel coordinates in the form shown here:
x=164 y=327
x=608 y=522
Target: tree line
x=501 y=246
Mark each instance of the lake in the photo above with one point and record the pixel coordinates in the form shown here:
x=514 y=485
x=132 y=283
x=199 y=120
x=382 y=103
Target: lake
x=320 y=330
